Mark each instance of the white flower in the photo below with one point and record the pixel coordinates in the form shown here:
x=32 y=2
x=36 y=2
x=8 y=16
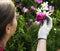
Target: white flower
x=44 y=6
x=44 y=12
x=38 y=10
x=44 y=9
x=55 y=29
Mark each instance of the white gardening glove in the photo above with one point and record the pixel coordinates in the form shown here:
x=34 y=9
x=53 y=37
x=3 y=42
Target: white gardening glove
x=45 y=29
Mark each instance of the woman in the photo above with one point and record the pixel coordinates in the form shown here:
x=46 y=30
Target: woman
x=8 y=24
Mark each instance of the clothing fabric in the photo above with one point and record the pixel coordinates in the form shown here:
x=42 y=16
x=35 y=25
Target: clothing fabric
x=1 y=49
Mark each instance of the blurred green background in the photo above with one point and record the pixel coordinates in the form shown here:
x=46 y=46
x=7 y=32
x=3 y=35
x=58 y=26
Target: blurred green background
x=25 y=38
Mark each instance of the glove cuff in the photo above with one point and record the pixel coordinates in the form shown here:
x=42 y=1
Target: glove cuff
x=42 y=37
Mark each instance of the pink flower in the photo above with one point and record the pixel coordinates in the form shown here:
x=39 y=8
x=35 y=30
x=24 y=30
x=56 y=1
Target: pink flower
x=51 y=7
x=40 y=17
x=18 y=4
x=25 y=10
x=39 y=1
x=37 y=23
x=32 y=7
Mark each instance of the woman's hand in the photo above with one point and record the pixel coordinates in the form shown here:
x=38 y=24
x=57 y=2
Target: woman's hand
x=43 y=33
x=45 y=29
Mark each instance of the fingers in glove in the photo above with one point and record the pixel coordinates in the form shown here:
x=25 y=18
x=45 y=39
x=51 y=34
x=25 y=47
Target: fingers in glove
x=50 y=21
x=45 y=22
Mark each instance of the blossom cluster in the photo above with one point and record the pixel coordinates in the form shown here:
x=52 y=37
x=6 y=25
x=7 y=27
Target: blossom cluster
x=41 y=12
x=44 y=11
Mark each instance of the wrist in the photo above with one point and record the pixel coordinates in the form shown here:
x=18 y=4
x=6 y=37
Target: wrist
x=41 y=40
